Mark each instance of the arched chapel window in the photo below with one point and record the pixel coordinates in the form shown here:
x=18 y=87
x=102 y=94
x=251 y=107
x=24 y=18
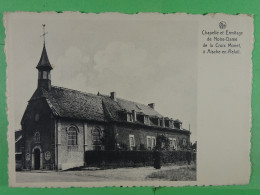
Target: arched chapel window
x=72 y=136
x=96 y=135
x=37 y=137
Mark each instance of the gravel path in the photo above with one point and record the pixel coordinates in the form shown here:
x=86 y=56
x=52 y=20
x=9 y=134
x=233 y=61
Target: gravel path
x=120 y=174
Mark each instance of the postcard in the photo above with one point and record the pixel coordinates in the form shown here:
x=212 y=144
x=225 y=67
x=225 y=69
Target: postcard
x=116 y=99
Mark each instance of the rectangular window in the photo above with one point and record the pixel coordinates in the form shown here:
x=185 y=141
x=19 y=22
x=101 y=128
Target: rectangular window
x=167 y=123
x=161 y=122
x=45 y=75
x=184 y=142
x=173 y=144
x=131 y=142
x=146 y=120
x=151 y=142
x=129 y=117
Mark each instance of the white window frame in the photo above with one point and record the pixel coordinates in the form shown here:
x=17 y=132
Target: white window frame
x=130 y=145
x=129 y=117
x=173 y=143
x=153 y=144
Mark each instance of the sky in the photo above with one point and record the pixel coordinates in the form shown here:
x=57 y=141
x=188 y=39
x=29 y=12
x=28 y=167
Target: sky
x=142 y=58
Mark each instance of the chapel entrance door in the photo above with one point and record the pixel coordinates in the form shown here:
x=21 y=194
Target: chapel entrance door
x=37 y=159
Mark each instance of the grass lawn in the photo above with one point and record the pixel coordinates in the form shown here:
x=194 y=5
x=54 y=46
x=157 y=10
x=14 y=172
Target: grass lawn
x=182 y=174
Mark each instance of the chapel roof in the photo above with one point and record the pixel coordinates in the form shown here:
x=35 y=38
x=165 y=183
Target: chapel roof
x=72 y=104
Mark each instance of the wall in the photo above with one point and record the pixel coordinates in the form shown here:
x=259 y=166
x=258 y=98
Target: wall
x=44 y=124
x=140 y=134
x=73 y=156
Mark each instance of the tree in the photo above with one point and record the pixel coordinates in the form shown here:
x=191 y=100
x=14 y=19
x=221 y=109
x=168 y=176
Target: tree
x=162 y=143
x=194 y=146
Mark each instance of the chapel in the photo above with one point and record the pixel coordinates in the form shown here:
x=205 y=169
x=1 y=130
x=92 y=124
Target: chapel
x=59 y=125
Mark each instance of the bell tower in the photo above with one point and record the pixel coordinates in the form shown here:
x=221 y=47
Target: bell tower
x=44 y=67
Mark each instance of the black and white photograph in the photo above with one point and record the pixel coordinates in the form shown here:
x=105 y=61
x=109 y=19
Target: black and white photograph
x=104 y=98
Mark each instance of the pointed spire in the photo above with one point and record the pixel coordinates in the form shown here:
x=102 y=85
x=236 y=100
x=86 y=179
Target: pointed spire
x=44 y=62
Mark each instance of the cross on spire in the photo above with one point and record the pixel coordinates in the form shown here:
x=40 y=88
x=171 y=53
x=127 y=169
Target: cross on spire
x=44 y=33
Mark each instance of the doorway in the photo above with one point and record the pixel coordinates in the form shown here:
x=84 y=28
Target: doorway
x=37 y=159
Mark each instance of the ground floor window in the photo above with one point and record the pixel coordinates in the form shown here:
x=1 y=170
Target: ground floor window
x=173 y=143
x=151 y=142
x=184 y=142
x=131 y=142
x=72 y=136
x=96 y=138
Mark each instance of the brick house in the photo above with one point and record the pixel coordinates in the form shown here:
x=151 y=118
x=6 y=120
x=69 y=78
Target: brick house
x=60 y=124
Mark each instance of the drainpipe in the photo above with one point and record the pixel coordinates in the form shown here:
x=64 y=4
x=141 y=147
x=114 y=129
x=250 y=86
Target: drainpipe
x=56 y=144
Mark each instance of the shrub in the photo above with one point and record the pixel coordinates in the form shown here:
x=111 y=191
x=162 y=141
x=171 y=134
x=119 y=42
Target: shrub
x=120 y=158
x=162 y=143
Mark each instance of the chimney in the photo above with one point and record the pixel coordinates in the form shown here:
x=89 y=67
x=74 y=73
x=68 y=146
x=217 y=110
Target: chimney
x=151 y=105
x=134 y=115
x=113 y=96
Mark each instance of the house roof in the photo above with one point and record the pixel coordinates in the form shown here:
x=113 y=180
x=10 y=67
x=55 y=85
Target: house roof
x=139 y=108
x=75 y=104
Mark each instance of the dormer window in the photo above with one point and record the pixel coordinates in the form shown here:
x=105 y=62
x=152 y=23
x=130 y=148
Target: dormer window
x=154 y=120
x=177 y=124
x=171 y=124
x=146 y=120
x=167 y=123
x=161 y=123
x=143 y=119
x=129 y=117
